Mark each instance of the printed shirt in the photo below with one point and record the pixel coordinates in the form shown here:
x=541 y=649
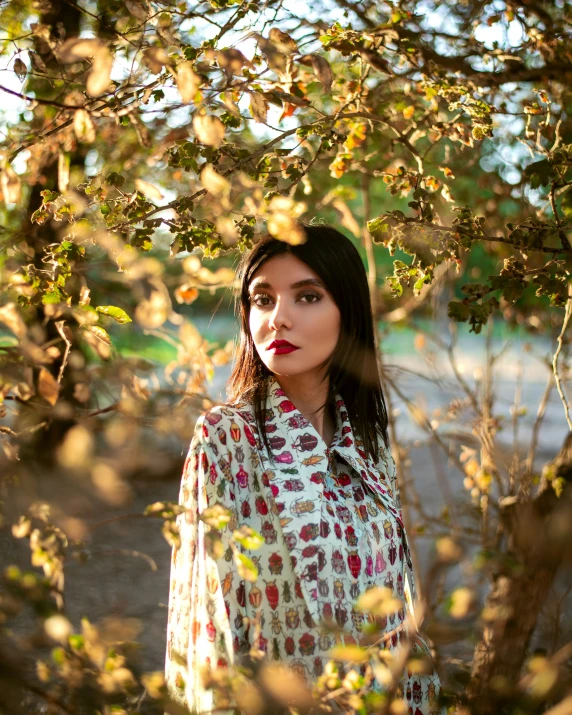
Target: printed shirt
x=332 y=527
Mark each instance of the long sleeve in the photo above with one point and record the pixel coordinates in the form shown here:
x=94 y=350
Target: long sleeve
x=387 y=464
x=203 y=591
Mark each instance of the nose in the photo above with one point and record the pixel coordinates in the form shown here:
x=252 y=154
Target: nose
x=279 y=318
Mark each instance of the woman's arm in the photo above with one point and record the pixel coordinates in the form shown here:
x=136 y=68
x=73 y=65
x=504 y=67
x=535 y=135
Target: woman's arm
x=203 y=590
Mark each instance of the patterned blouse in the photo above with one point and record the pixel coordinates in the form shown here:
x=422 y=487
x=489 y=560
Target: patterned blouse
x=332 y=528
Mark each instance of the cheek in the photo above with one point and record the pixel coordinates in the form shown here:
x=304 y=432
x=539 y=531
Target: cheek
x=256 y=324
x=328 y=324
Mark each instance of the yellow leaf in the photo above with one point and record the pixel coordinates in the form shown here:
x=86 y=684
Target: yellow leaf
x=258 y=107
x=220 y=358
x=323 y=71
x=227 y=229
x=378 y=600
x=232 y=61
x=230 y=104
x=282 y=41
x=99 y=78
x=63 y=171
x=213 y=181
x=75 y=49
x=137 y=9
x=283 y=227
x=155 y=58
x=80 y=48
x=409 y=111
x=148 y=190
x=83 y=127
x=58 y=628
x=208 y=129
x=448 y=550
x=471 y=467
x=10 y=317
x=461 y=602
x=188 y=82
x=48 y=387
x=154 y=310
x=190 y=337
x=351 y=653
x=11 y=186
x=192 y=265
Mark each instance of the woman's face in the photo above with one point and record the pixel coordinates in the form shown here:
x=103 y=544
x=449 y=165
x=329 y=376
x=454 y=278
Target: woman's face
x=294 y=321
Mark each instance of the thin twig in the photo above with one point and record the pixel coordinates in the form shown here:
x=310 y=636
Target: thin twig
x=525 y=485
x=559 y=386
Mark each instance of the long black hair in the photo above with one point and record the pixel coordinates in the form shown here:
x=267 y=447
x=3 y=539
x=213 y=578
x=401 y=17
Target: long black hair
x=352 y=368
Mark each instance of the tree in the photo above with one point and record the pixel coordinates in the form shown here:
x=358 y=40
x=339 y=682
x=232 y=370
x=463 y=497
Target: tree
x=151 y=133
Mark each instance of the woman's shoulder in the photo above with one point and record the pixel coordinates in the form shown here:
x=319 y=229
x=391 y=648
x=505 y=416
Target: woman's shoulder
x=224 y=420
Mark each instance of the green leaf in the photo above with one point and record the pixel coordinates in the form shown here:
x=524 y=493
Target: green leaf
x=114 y=312
x=458 y=311
x=395 y=285
x=76 y=641
x=248 y=538
x=538 y=173
x=245 y=567
x=52 y=297
x=114 y=179
x=378 y=228
x=216 y=515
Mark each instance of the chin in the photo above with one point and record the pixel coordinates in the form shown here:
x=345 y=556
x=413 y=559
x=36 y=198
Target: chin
x=290 y=370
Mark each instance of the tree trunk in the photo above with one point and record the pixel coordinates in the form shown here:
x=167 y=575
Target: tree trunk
x=539 y=536
x=64 y=20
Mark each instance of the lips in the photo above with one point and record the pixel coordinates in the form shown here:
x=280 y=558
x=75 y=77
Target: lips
x=281 y=347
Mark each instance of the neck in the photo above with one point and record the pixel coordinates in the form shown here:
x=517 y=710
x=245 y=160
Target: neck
x=310 y=396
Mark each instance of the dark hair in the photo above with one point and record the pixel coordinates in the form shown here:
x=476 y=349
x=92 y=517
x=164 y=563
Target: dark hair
x=352 y=367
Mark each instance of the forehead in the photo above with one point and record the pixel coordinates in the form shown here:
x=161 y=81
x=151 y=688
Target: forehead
x=282 y=271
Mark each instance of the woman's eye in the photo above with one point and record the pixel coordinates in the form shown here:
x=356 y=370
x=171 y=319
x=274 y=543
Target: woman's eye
x=260 y=300
x=310 y=297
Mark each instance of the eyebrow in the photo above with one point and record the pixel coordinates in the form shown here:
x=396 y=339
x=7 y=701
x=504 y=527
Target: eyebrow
x=298 y=284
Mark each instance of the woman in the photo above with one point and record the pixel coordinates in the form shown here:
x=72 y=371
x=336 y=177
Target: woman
x=301 y=455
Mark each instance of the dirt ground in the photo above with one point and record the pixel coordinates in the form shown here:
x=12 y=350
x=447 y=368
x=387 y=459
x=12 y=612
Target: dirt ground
x=126 y=574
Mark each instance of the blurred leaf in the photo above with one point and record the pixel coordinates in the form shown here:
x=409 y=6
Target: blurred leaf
x=258 y=107
x=282 y=40
x=20 y=69
x=83 y=126
x=188 y=83
x=213 y=181
x=156 y=58
x=11 y=186
x=148 y=190
x=208 y=129
x=350 y=653
x=245 y=567
x=248 y=538
x=216 y=516
x=48 y=386
x=114 y=312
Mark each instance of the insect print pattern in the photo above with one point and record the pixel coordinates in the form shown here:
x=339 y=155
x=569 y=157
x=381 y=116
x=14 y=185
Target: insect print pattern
x=332 y=528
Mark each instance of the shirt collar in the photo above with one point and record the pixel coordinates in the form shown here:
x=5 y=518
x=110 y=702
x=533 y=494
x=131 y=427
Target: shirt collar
x=300 y=443
x=288 y=418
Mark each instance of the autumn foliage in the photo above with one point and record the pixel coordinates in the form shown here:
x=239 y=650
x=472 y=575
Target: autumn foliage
x=144 y=144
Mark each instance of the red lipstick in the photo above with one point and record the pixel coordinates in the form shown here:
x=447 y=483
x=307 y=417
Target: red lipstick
x=281 y=347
